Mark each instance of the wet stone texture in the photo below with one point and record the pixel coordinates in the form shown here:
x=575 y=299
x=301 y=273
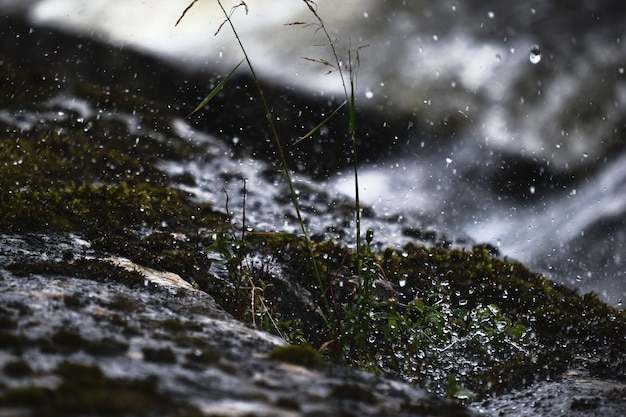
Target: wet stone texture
x=72 y=345
x=110 y=303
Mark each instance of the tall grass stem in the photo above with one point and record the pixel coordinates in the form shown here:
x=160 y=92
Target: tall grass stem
x=283 y=159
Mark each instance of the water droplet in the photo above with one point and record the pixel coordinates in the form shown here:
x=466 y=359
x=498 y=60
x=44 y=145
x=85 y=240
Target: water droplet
x=491 y=15
x=448 y=160
x=369 y=94
x=535 y=54
x=462 y=302
x=402 y=282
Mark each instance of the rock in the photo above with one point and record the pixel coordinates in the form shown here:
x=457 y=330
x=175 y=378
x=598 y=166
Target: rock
x=74 y=345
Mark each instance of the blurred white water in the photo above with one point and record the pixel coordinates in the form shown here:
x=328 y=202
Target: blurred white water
x=460 y=63
x=467 y=71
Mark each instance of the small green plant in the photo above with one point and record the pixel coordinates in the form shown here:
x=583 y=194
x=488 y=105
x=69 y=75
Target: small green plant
x=224 y=242
x=456 y=392
x=245 y=286
x=363 y=328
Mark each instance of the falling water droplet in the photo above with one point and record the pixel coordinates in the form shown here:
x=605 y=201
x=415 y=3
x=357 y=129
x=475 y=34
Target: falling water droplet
x=535 y=54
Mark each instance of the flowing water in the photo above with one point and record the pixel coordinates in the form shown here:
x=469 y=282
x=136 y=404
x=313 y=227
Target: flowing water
x=518 y=109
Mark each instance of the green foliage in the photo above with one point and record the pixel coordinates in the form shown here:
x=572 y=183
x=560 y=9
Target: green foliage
x=455 y=391
x=359 y=326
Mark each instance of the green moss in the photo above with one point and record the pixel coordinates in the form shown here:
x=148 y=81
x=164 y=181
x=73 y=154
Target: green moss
x=435 y=292
x=288 y=403
x=205 y=356
x=122 y=304
x=92 y=269
x=86 y=390
x=96 y=210
x=164 y=252
x=304 y=355
x=186 y=341
x=17 y=369
x=518 y=371
x=48 y=177
x=161 y=355
x=7 y=322
x=35 y=397
x=14 y=342
x=352 y=392
x=172 y=325
x=74 y=301
x=106 y=347
x=66 y=341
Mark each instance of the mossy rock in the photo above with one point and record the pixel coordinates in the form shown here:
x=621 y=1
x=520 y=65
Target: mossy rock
x=86 y=390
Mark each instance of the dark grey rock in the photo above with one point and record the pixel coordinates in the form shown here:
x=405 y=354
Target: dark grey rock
x=178 y=338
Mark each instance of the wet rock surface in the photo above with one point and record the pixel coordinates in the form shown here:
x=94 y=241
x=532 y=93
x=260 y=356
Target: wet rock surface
x=74 y=345
x=575 y=393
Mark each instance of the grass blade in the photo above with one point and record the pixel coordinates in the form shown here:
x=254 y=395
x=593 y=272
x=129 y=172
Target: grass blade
x=322 y=123
x=215 y=90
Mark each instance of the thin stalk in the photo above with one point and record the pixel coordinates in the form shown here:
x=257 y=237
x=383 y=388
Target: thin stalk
x=352 y=131
x=283 y=159
x=351 y=125
x=361 y=314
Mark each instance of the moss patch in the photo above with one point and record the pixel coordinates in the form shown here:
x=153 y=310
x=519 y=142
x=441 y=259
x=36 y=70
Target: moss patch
x=469 y=302
x=92 y=269
x=17 y=369
x=85 y=389
x=161 y=355
x=296 y=354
